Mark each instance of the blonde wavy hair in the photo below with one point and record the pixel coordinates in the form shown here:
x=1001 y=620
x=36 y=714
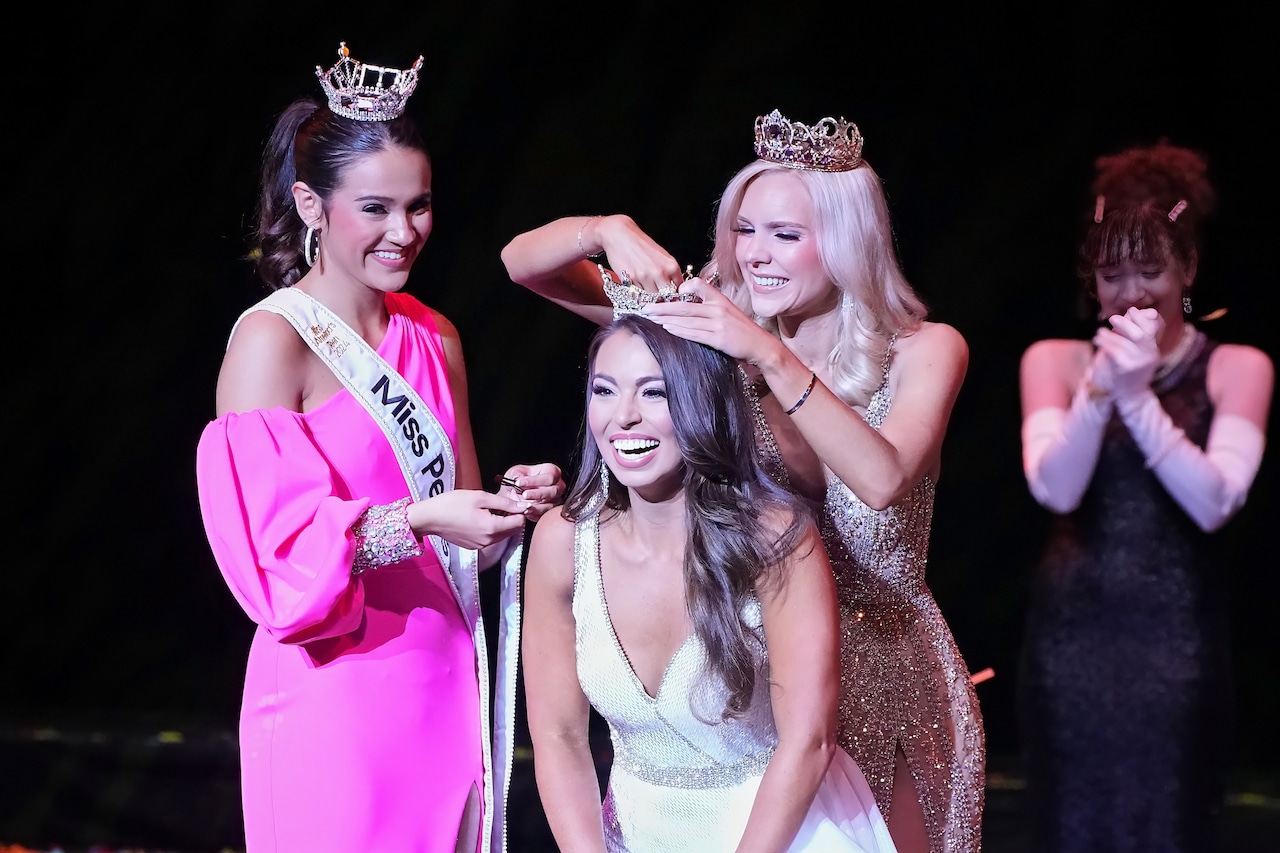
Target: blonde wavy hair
x=855 y=246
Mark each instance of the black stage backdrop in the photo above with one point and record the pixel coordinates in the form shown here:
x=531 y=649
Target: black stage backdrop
x=134 y=135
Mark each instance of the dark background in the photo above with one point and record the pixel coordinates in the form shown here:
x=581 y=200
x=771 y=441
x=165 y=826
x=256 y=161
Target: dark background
x=133 y=135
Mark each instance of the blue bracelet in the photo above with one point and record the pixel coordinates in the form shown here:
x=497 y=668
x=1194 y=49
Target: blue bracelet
x=813 y=380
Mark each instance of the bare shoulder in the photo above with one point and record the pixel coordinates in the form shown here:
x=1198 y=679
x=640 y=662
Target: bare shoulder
x=808 y=557
x=550 y=567
x=1065 y=354
x=935 y=348
x=265 y=365
x=1241 y=358
x=936 y=338
x=932 y=360
x=1241 y=379
x=775 y=520
x=553 y=529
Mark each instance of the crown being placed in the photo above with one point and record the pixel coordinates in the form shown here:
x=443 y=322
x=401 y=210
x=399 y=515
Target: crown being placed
x=831 y=145
x=628 y=297
x=367 y=92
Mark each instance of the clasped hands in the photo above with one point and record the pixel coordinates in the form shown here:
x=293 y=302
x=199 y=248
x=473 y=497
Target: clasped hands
x=1127 y=353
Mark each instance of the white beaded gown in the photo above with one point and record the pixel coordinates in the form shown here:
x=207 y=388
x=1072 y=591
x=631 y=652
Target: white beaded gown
x=682 y=779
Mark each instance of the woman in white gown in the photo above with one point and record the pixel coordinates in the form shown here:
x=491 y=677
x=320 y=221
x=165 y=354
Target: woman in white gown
x=688 y=599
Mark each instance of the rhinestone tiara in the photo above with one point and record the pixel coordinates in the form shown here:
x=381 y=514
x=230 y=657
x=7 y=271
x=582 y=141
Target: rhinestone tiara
x=366 y=92
x=830 y=145
x=628 y=297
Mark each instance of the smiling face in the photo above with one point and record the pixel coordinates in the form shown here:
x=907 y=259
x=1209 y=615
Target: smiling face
x=629 y=418
x=1132 y=283
x=1136 y=256
x=776 y=248
x=378 y=218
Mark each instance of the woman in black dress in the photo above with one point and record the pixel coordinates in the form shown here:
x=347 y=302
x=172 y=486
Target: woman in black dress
x=1143 y=441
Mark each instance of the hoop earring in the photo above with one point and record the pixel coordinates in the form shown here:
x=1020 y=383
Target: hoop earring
x=1186 y=300
x=310 y=254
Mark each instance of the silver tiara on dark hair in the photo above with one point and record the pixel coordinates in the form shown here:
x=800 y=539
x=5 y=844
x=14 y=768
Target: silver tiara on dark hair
x=367 y=92
x=628 y=297
x=830 y=145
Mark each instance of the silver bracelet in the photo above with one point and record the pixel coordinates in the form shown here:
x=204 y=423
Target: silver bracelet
x=582 y=248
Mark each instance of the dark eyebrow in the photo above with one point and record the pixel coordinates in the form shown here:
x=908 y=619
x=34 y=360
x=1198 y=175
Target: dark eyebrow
x=642 y=380
x=387 y=200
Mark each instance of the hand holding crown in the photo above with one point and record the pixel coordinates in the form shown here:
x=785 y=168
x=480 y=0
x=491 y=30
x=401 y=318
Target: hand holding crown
x=705 y=314
x=635 y=255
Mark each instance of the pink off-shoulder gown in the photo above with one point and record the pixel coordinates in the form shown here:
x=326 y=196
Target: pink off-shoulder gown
x=360 y=727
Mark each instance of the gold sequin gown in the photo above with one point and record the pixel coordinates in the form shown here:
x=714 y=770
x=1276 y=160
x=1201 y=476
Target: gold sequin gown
x=682 y=780
x=905 y=686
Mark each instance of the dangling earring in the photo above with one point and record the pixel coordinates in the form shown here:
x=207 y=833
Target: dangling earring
x=310 y=254
x=604 y=483
x=1186 y=300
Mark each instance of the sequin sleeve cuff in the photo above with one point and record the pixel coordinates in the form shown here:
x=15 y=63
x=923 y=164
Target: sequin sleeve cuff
x=383 y=536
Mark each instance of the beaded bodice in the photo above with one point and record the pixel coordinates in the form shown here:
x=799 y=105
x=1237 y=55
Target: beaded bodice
x=889 y=546
x=673 y=741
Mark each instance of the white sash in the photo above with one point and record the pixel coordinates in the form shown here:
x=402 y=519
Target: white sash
x=427 y=462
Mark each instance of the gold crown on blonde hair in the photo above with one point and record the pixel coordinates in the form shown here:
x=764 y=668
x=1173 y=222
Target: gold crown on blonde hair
x=830 y=145
x=366 y=92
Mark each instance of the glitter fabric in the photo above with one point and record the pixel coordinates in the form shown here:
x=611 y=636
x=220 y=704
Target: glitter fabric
x=383 y=536
x=682 y=779
x=766 y=447
x=1126 y=691
x=904 y=684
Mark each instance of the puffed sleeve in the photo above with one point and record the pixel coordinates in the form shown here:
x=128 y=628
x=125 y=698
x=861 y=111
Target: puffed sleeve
x=278 y=525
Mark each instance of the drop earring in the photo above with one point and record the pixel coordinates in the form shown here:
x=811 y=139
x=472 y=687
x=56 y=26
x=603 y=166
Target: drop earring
x=1186 y=300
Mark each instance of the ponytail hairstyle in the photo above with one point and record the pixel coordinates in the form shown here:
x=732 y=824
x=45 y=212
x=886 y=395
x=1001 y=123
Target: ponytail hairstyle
x=310 y=143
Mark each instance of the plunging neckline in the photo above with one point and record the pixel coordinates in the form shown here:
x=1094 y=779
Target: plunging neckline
x=617 y=643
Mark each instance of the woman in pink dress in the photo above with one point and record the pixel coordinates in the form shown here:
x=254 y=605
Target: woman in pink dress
x=342 y=500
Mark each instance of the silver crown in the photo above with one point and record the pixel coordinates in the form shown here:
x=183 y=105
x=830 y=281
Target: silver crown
x=830 y=145
x=628 y=297
x=367 y=92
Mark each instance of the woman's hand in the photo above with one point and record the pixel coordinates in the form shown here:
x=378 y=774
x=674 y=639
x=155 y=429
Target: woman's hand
x=542 y=486
x=714 y=320
x=1128 y=352
x=469 y=518
x=631 y=251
